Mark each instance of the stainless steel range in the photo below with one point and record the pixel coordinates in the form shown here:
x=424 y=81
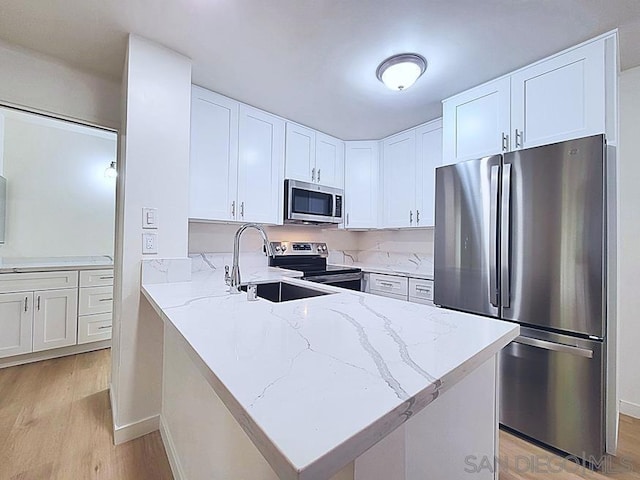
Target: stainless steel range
x=311 y=259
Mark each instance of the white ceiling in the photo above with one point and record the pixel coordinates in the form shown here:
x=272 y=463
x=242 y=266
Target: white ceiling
x=314 y=61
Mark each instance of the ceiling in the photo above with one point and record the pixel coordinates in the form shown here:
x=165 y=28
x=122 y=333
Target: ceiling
x=314 y=61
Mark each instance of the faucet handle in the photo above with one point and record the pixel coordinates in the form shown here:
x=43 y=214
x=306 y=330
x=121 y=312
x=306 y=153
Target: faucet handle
x=227 y=277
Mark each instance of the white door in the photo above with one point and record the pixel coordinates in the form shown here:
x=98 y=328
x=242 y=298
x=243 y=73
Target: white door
x=260 y=166
x=329 y=160
x=399 y=180
x=361 y=184
x=476 y=123
x=55 y=318
x=560 y=99
x=214 y=156
x=428 y=158
x=300 y=153
x=16 y=314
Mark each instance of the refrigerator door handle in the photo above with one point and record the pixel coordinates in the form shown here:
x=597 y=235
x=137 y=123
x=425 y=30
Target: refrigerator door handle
x=505 y=236
x=555 y=347
x=493 y=237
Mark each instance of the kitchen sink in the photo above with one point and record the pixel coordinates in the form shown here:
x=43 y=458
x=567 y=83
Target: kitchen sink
x=284 y=292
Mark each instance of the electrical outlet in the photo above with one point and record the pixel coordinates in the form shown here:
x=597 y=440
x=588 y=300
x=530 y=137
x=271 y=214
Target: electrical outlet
x=149 y=218
x=149 y=243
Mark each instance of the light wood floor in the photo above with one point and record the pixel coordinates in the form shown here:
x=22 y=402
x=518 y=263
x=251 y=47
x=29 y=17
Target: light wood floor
x=55 y=423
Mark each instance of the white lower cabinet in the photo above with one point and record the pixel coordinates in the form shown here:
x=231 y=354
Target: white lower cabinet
x=421 y=291
x=391 y=286
x=402 y=288
x=48 y=310
x=55 y=318
x=94 y=328
x=16 y=323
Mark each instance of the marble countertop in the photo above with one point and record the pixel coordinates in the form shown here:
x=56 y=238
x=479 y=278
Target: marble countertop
x=391 y=270
x=48 y=264
x=316 y=382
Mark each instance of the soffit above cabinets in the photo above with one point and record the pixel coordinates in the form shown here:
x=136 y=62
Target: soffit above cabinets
x=315 y=62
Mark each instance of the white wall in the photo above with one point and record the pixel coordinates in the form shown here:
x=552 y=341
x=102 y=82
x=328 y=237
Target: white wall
x=45 y=84
x=58 y=201
x=629 y=237
x=153 y=173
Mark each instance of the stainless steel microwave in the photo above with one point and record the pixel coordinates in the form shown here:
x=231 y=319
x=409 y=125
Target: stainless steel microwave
x=312 y=203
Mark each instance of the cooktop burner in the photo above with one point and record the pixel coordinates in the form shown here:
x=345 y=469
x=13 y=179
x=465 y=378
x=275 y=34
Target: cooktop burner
x=307 y=257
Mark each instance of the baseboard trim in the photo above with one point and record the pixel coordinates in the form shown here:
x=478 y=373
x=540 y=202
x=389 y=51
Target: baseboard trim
x=630 y=409
x=53 y=353
x=124 y=433
x=170 y=449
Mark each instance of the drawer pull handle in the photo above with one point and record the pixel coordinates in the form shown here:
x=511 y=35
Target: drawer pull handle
x=104 y=327
x=106 y=299
x=106 y=278
x=423 y=290
x=386 y=284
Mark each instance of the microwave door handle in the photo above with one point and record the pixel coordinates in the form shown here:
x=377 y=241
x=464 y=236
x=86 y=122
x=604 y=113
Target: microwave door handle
x=493 y=236
x=505 y=237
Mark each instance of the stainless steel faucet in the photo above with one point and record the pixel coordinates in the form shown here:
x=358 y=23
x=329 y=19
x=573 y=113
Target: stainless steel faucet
x=233 y=280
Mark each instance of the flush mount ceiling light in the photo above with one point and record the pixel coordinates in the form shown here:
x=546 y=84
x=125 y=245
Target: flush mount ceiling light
x=401 y=71
x=111 y=171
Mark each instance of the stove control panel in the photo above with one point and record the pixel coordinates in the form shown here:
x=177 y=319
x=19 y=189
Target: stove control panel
x=300 y=248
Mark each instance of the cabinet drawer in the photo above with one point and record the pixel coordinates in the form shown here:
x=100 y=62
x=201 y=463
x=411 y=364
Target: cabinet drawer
x=23 y=282
x=96 y=278
x=95 y=300
x=379 y=283
x=94 y=328
x=420 y=289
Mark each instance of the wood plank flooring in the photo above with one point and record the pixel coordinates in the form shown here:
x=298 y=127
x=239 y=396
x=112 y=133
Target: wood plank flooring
x=524 y=461
x=55 y=423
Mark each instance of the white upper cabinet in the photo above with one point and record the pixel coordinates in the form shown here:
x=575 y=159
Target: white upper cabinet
x=398 y=180
x=408 y=164
x=560 y=98
x=329 y=161
x=569 y=95
x=428 y=158
x=300 y=153
x=361 y=184
x=214 y=156
x=260 y=166
x=314 y=157
x=477 y=122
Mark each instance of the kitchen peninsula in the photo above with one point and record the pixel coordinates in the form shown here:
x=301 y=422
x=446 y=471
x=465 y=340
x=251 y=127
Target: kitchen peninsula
x=339 y=386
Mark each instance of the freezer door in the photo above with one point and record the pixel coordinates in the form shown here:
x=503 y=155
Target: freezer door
x=466 y=249
x=552 y=390
x=553 y=238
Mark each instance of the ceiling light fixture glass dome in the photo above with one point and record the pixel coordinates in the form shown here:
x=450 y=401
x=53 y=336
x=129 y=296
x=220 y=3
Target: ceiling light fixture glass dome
x=401 y=71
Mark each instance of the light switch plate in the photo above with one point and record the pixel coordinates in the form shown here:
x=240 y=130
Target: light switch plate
x=149 y=243
x=149 y=217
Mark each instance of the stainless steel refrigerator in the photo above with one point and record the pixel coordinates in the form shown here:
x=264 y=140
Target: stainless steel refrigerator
x=522 y=237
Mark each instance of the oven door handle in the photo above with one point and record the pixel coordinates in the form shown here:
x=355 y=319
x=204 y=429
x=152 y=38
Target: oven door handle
x=342 y=277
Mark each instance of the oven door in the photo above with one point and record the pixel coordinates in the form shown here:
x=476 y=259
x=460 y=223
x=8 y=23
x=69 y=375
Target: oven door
x=312 y=203
x=350 y=281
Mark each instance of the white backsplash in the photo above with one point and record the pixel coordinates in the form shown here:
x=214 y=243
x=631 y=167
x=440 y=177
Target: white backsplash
x=166 y=270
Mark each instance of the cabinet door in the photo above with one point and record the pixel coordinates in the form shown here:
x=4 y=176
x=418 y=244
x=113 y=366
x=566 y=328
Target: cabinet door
x=300 y=153
x=477 y=122
x=428 y=158
x=16 y=313
x=399 y=180
x=329 y=160
x=55 y=318
x=261 y=166
x=560 y=99
x=361 y=184
x=214 y=156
